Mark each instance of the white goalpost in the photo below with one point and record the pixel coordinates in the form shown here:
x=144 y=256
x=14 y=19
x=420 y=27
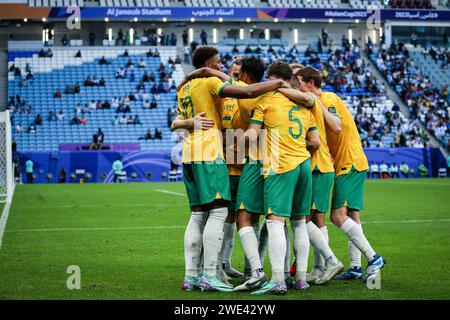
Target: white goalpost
x=6 y=165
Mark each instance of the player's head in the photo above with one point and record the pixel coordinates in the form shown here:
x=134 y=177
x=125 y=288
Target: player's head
x=235 y=69
x=206 y=56
x=280 y=70
x=310 y=79
x=252 y=70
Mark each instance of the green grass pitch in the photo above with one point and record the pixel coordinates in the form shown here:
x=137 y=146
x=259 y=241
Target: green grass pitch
x=127 y=240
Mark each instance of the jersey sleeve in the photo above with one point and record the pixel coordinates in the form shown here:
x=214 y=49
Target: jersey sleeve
x=180 y=109
x=337 y=108
x=216 y=85
x=312 y=122
x=258 y=113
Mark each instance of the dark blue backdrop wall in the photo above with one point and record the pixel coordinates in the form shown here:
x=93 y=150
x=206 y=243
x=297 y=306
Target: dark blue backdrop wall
x=155 y=165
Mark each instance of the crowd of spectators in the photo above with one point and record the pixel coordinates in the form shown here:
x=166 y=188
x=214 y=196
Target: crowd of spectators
x=426 y=102
x=410 y=4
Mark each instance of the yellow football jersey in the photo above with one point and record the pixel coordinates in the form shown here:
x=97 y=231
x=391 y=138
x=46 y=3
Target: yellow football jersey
x=286 y=126
x=321 y=158
x=202 y=95
x=345 y=148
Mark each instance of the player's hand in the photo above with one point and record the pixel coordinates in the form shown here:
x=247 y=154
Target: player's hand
x=284 y=84
x=202 y=123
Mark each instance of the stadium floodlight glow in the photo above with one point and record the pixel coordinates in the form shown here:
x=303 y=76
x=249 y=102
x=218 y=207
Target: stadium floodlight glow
x=192 y=20
x=164 y=19
x=44 y=19
x=350 y=36
x=267 y=32
x=330 y=20
x=248 y=20
x=303 y=20
x=106 y=19
x=135 y=19
x=25 y=19
x=110 y=34
x=275 y=20
x=191 y=34
x=295 y=36
x=374 y=36
x=357 y=21
x=381 y=32
x=220 y=19
x=215 y=35
x=131 y=35
x=241 y=34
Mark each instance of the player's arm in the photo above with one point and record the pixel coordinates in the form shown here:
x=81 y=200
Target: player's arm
x=251 y=91
x=197 y=122
x=299 y=97
x=252 y=132
x=204 y=73
x=312 y=140
x=332 y=120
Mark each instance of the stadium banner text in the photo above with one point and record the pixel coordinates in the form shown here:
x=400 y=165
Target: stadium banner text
x=16 y=11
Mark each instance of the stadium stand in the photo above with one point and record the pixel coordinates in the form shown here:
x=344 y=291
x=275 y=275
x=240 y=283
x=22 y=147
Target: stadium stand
x=427 y=101
x=36 y=96
x=410 y=4
x=379 y=120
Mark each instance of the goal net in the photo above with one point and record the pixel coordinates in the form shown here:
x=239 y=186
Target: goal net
x=6 y=166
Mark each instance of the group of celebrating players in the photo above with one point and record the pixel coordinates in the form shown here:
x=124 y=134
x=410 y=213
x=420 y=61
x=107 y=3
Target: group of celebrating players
x=299 y=142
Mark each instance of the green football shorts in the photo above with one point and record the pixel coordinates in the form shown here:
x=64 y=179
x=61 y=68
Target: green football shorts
x=289 y=194
x=250 y=194
x=322 y=183
x=206 y=182
x=349 y=190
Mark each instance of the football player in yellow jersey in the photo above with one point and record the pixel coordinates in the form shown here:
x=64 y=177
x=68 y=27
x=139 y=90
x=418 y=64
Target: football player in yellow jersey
x=287 y=168
x=350 y=165
x=326 y=265
x=205 y=173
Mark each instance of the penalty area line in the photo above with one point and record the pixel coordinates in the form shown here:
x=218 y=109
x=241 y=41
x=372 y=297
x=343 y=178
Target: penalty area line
x=182 y=227
x=170 y=192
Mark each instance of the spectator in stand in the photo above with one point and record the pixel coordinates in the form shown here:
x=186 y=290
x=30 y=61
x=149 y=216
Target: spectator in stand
x=100 y=135
x=204 y=38
x=57 y=94
x=142 y=64
x=393 y=170
x=374 y=170
x=60 y=116
x=148 y=136
x=49 y=53
x=31 y=128
x=136 y=120
x=384 y=171
x=38 y=120
x=103 y=61
x=153 y=104
x=76 y=88
x=95 y=144
x=121 y=73
x=78 y=54
x=158 y=134
x=404 y=169
x=185 y=37
x=75 y=120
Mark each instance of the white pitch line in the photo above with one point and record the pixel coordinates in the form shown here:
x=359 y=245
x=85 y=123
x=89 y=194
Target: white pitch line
x=3 y=220
x=181 y=227
x=170 y=192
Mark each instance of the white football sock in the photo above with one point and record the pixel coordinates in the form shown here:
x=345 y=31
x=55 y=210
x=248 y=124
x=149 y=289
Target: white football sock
x=287 y=257
x=301 y=244
x=228 y=244
x=263 y=241
x=319 y=261
x=355 y=234
x=354 y=253
x=193 y=242
x=247 y=267
x=318 y=242
x=213 y=238
x=277 y=248
x=250 y=245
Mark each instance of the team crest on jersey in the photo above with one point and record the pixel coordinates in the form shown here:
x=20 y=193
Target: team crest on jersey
x=332 y=109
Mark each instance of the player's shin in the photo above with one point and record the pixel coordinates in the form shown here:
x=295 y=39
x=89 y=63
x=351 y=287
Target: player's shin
x=301 y=244
x=250 y=244
x=193 y=242
x=277 y=248
x=213 y=238
x=355 y=234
